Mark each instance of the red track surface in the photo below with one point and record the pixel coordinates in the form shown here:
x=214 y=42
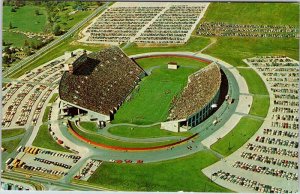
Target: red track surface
x=175 y=55
x=124 y=148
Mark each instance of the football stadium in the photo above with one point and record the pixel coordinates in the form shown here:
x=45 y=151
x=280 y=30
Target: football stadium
x=144 y=96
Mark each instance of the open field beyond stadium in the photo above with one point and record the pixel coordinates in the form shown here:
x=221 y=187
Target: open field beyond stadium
x=12 y=132
x=185 y=175
x=239 y=135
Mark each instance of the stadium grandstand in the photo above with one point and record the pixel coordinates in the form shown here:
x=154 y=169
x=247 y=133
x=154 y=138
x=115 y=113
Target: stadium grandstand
x=197 y=100
x=99 y=82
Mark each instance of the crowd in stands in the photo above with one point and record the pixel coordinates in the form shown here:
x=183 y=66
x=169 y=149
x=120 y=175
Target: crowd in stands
x=201 y=88
x=102 y=82
x=247 y=30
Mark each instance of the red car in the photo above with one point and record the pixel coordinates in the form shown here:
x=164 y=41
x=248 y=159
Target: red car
x=118 y=161
x=139 y=161
x=128 y=161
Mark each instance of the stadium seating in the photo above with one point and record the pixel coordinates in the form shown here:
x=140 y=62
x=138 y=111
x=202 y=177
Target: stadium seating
x=201 y=88
x=102 y=82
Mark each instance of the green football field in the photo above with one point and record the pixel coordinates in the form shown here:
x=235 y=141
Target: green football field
x=150 y=102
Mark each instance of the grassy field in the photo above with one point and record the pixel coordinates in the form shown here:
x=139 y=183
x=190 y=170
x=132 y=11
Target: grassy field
x=18 y=39
x=68 y=22
x=182 y=174
x=150 y=102
x=234 y=49
x=194 y=44
x=45 y=140
x=12 y=132
x=24 y=19
x=11 y=145
x=107 y=141
x=260 y=106
x=255 y=84
x=91 y=126
x=144 y=132
x=238 y=136
x=53 y=98
x=147 y=63
x=46 y=114
x=253 y=13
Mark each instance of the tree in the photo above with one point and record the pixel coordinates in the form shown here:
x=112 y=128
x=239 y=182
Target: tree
x=57 y=30
x=37 y=12
x=7 y=50
x=26 y=43
x=5 y=59
x=13 y=9
x=27 y=51
x=10 y=25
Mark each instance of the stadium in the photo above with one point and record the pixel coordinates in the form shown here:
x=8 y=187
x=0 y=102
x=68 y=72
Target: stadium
x=97 y=84
x=164 y=96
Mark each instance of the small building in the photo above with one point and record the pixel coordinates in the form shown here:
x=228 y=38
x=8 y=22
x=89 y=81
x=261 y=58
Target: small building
x=172 y=65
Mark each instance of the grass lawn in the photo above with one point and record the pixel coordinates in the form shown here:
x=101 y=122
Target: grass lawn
x=107 y=141
x=53 y=98
x=253 y=13
x=91 y=126
x=150 y=102
x=17 y=39
x=46 y=114
x=255 y=84
x=11 y=145
x=194 y=44
x=238 y=136
x=234 y=49
x=144 y=132
x=45 y=140
x=25 y=19
x=68 y=22
x=260 y=106
x=182 y=174
x=12 y=132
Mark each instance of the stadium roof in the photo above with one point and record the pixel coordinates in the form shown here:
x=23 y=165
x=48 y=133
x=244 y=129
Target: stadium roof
x=200 y=90
x=101 y=82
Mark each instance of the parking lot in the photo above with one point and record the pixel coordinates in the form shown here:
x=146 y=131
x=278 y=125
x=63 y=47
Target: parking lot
x=43 y=161
x=268 y=162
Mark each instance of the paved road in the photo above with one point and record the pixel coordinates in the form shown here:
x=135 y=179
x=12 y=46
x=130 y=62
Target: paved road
x=42 y=51
x=50 y=183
